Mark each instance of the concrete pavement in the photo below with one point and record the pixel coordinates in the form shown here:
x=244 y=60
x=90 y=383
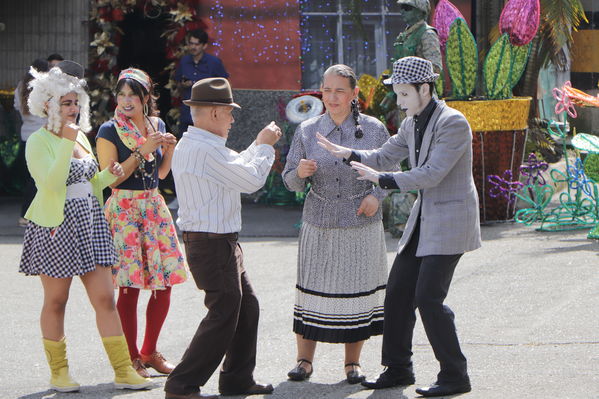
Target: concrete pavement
x=526 y=305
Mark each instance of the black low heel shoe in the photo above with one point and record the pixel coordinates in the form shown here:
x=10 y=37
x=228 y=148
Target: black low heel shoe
x=299 y=373
x=355 y=375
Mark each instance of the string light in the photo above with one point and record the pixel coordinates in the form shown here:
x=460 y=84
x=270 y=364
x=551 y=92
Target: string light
x=259 y=30
x=267 y=32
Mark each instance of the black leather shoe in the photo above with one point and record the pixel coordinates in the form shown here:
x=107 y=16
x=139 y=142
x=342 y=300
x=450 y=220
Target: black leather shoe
x=355 y=375
x=299 y=373
x=391 y=377
x=256 y=389
x=445 y=388
x=195 y=395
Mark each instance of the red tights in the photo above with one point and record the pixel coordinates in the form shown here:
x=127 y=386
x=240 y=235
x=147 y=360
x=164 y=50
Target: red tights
x=156 y=312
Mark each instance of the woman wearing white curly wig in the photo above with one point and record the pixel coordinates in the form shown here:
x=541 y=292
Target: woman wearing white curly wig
x=67 y=234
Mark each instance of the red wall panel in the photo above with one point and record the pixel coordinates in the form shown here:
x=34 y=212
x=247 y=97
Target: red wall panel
x=257 y=40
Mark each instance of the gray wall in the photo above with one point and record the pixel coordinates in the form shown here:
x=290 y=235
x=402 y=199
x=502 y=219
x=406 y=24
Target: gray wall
x=258 y=109
x=38 y=28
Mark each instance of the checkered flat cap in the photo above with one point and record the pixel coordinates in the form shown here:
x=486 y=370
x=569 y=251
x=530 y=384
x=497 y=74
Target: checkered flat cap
x=412 y=70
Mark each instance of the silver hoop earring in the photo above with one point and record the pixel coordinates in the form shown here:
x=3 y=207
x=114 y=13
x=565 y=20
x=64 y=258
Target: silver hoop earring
x=146 y=109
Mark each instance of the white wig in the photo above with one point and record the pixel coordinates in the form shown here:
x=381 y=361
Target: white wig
x=46 y=90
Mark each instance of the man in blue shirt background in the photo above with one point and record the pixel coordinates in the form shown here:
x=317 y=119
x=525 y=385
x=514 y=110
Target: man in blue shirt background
x=195 y=66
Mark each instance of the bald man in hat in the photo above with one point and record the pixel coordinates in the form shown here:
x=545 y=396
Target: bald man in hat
x=209 y=178
x=443 y=225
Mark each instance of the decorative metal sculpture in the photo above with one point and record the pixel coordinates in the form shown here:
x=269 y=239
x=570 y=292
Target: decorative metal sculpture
x=578 y=206
x=504 y=186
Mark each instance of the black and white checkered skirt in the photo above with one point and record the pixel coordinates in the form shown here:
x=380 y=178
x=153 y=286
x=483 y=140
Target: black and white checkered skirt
x=75 y=247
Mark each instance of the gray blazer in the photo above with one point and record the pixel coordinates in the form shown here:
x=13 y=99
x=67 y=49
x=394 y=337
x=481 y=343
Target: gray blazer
x=447 y=200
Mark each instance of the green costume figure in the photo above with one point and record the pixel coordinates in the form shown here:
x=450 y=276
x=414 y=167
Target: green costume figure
x=418 y=39
x=421 y=40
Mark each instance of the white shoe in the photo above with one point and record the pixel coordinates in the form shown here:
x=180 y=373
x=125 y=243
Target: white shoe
x=173 y=205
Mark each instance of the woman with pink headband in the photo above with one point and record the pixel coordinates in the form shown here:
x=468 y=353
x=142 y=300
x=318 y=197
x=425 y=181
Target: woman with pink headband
x=144 y=235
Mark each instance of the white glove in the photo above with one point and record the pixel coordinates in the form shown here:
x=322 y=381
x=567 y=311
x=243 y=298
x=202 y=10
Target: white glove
x=366 y=172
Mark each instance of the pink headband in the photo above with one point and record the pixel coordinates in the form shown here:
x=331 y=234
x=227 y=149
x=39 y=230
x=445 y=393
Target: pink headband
x=138 y=75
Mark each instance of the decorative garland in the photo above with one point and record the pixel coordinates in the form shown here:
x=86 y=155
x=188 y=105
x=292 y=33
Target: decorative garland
x=105 y=18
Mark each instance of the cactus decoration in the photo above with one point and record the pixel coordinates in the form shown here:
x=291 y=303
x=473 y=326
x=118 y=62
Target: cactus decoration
x=462 y=59
x=520 y=56
x=507 y=58
x=496 y=70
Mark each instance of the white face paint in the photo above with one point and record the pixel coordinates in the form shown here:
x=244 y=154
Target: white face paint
x=411 y=101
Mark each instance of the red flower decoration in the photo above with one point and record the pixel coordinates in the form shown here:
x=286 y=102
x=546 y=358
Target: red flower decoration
x=520 y=20
x=445 y=14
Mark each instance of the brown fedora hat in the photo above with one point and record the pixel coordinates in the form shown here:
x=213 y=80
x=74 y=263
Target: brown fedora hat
x=211 y=91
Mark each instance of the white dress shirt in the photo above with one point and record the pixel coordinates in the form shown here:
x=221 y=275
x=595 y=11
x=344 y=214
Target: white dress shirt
x=210 y=177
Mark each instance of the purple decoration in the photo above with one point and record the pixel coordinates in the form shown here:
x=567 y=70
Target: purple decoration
x=504 y=186
x=445 y=14
x=520 y=20
x=533 y=170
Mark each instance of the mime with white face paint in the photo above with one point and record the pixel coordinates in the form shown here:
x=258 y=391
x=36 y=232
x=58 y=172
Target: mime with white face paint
x=443 y=224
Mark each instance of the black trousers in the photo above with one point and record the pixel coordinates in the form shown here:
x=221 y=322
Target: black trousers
x=423 y=283
x=230 y=328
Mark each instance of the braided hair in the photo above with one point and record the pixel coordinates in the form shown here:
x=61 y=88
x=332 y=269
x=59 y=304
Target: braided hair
x=348 y=73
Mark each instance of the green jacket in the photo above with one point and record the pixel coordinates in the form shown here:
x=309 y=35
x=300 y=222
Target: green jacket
x=49 y=160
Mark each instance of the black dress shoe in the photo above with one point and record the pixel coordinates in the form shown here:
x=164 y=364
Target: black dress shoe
x=195 y=395
x=391 y=377
x=445 y=388
x=355 y=375
x=299 y=373
x=256 y=389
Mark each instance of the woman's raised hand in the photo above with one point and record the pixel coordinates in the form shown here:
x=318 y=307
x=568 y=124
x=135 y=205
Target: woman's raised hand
x=306 y=168
x=334 y=149
x=69 y=131
x=153 y=141
x=169 y=142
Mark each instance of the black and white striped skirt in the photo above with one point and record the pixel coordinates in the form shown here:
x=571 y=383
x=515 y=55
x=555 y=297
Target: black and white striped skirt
x=341 y=280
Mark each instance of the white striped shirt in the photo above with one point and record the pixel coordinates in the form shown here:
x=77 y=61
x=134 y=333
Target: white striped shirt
x=210 y=177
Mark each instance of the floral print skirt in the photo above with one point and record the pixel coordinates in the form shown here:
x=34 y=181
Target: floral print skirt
x=145 y=240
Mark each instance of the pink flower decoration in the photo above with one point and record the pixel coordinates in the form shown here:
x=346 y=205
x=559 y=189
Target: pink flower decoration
x=520 y=20
x=445 y=14
x=564 y=103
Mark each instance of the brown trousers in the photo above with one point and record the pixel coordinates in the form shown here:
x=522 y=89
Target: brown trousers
x=230 y=328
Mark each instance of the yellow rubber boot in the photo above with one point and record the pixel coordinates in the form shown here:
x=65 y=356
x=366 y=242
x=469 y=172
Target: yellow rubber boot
x=125 y=375
x=56 y=353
